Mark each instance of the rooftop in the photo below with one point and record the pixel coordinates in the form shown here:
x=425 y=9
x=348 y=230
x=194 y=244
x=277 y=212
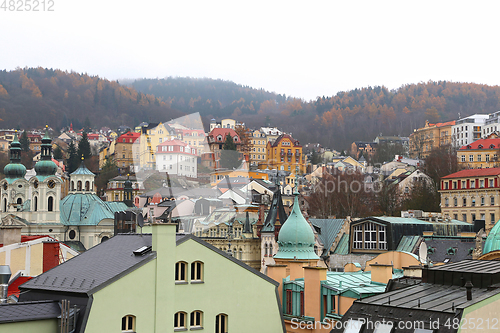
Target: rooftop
x=474 y=173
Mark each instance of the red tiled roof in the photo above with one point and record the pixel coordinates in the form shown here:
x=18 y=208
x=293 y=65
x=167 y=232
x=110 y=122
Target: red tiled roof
x=474 y=173
x=486 y=143
x=443 y=124
x=283 y=136
x=223 y=131
x=174 y=142
x=13 y=288
x=30 y=238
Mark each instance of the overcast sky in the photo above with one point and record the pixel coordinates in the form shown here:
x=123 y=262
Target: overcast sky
x=303 y=49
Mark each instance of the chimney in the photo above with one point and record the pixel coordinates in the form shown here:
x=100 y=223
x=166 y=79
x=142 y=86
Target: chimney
x=277 y=273
x=10 y=234
x=381 y=273
x=468 y=286
x=312 y=290
x=4 y=282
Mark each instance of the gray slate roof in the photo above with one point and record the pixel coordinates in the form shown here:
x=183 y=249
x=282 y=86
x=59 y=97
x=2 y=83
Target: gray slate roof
x=441 y=246
x=84 y=273
x=26 y=311
x=327 y=230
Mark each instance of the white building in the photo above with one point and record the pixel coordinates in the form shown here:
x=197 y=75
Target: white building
x=177 y=158
x=492 y=124
x=467 y=130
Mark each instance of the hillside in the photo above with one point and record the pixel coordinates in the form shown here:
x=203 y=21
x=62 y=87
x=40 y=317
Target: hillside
x=335 y=121
x=33 y=97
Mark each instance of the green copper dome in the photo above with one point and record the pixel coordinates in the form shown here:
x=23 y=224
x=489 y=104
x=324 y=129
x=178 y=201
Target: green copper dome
x=14 y=170
x=46 y=167
x=493 y=240
x=296 y=238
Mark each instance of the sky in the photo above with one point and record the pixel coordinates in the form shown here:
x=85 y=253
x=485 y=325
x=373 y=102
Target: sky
x=302 y=49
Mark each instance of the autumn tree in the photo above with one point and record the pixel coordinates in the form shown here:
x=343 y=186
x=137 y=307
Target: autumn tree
x=109 y=170
x=245 y=139
x=440 y=162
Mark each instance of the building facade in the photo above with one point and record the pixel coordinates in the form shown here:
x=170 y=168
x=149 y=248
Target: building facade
x=123 y=150
x=285 y=153
x=469 y=129
x=177 y=158
x=470 y=195
x=482 y=153
x=429 y=137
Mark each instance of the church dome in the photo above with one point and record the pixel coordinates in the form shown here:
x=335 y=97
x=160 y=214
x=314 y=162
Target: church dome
x=15 y=170
x=46 y=167
x=296 y=238
x=493 y=240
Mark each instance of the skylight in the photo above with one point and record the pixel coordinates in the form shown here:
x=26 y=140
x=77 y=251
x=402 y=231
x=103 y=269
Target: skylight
x=353 y=326
x=383 y=328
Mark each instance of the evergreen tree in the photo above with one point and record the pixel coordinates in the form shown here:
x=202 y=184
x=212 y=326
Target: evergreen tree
x=25 y=142
x=229 y=157
x=86 y=125
x=73 y=161
x=58 y=153
x=84 y=147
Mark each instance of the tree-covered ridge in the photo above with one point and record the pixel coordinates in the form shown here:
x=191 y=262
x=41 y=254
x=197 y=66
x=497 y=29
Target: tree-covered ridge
x=217 y=98
x=32 y=97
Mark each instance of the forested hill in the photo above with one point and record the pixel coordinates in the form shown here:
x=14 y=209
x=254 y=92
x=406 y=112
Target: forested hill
x=335 y=121
x=33 y=97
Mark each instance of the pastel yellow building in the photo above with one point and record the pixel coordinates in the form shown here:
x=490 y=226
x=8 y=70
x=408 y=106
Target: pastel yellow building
x=470 y=195
x=431 y=136
x=257 y=154
x=285 y=154
x=479 y=154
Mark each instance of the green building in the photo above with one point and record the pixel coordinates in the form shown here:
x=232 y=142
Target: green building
x=159 y=282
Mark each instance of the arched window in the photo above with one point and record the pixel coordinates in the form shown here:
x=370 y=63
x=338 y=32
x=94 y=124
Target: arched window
x=50 y=204
x=180 y=320
x=196 y=271
x=35 y=204
x=221 y=323
x=87 y=186
x=180 y=271
x=196 y=319
x=270 y=249
x=72 y=185
x=265 y=250
x=5 y=204
x=240 y=254
x=105 y=238
x=128 y=323
x=19 y=201
x=79 y=185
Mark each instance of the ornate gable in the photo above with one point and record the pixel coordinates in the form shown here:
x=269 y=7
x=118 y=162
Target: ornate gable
x=11 y=220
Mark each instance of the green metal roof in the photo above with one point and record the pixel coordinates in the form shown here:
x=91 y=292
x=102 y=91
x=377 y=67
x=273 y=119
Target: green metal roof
x=493 y=240
x=407 y=243
x=343 y=245
x=357 y=283
x=82 y=170
x=87 y=209
x=296 y=238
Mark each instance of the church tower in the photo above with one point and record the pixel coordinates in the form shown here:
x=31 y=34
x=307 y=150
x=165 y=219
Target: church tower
x=14 y=188
x=82 y=180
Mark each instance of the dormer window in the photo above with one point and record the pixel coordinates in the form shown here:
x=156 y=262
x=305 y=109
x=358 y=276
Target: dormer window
x=469 y=147
x=219 y=138
x=480 y=146
x=492 y=146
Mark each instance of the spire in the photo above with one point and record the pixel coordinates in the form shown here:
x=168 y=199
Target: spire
x=247 y=228
x=276 y=214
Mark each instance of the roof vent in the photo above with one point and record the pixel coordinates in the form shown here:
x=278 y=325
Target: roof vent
x=142 y=250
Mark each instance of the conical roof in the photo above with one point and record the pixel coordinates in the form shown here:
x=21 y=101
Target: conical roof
x=296 y=238
x=493 y=240
x=82 y=170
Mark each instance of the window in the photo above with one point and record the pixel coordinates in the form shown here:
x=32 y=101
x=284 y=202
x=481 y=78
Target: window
x=471 y=158
x=370 y=236
x=197 y=271
x=464 y=202
x=463 y=158
x=492 y=201
x=128 y=323
x=446 y=202
x=472 y=184
x=358 y=237
x=221 y=323
x=481 y=183
x=445 y=185
x=487 y=158
x=473 y=217
x=180 y=271
x=464 y=183
x=473 y=202
x=195 y=320
x=180 y=321
x=479 y=158
x=50 y=204
x=482 y=201
x=382 y=242
x=464 y=217
x=35 y=204
x=491 y=183
x=455 y=202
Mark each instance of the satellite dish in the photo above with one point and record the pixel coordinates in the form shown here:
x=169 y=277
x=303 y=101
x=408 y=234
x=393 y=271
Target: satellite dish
x=140 y=220
x=422 y=252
